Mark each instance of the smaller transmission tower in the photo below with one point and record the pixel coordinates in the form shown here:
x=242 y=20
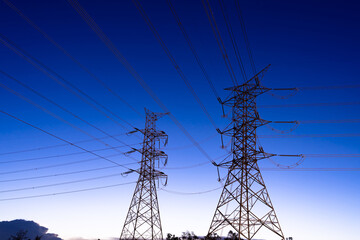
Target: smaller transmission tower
x=143 y=218
x=244 y=204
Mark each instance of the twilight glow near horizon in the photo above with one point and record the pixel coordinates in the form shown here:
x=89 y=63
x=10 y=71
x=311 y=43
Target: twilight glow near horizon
x=312 y=46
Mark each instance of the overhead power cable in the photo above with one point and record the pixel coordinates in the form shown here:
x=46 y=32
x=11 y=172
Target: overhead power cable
x=53 y=146
x=57 y=105
x=313 y=169
x=195 y=165
x=233 y=39
x=297 y=122
x=246 y=39
x=301 y=159
x=297 y=89
x=58 y=155
x=36 y=27
x=63 y=164
x=311 y=135
x=191 y=145
x=172 y=60
x=63 y=82
x=266 y=169
x=63 y=140
x=327 y=155
x=189 y=166
x=59 y=184
x=192 y=48
x=56 y=175
x=329 y=87
x=87 y=170
x=219 y=40
x=91 y=140
x=330 y=121
x=176 y=192
x=190 y=193
x=65 y=192
x=167 y=168
x=310 y=105
x=92 y=24
x=63 y=120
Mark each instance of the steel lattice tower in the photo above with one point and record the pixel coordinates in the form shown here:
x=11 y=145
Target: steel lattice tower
x=143 y=218
x=244 y=204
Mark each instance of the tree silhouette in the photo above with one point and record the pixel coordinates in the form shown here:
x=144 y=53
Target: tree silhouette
x=213 y=236
x=189 y=236
x=20 y=235
x=170 y=236
x=232 y=235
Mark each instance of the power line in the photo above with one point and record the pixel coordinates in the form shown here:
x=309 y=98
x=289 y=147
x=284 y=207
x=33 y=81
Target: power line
x=102 y=149
x=167 y=168
x=59 y=184
x=66 y=192
x=233 y=40
x=93 y=25
x=246 y=39
x=297 y=122
x=310 y=105
x=61 y=165
x=53 y=146
x=90 y=140
x=61 y=81
x=57 y=175
x=58 y=155
x=191 y=145
x=12 y=6
x=219 y=40
x=196 y=165
x=63 y=120
x=84 y=171
x=190 y=193
x=189 y=166
x=176 y=192
x=191 y=46
x=288 y=166
x=268 y=169
x=329 y=87
x=316 y=155
x=61 y=139
x=325 y=155
x=313 y=169
x=330 y=121
x=297 y=89
x=56 y=104
x=172 y=60
x=311 y=135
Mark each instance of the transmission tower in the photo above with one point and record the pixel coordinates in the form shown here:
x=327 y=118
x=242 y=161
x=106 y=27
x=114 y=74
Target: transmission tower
x=244 y=204
x=143 y=218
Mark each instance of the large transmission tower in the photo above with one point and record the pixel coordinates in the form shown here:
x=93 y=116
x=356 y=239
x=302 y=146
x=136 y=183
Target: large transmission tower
x=244 y=204
x=143 y=218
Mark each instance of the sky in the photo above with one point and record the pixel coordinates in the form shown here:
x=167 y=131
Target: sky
x=311 y=45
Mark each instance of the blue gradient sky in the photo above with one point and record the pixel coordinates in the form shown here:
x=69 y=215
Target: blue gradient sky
x=312 y=43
